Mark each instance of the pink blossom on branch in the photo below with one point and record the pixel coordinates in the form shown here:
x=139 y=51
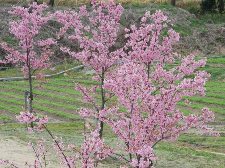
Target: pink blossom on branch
x=148 y=43
x=93 y=149
x=151 y=109
x=40 y=152
x=146 y=109
x=7 y=163
x=97 y=36
x=28 y=118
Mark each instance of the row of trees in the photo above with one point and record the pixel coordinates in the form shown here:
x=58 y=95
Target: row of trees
x=140 y=78
x=206 y=5
x=212 y=5
x=50 y=2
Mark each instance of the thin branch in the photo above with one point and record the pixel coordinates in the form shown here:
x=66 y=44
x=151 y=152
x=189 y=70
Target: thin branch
x=111 y=96
x=36 y=155
x=121 y=156
x=157 y=143
x=57 y=144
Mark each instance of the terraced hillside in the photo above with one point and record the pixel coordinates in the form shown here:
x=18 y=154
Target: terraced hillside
x=58 y=99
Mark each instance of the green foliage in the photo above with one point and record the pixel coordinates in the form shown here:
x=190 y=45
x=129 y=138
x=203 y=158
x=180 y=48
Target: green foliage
x=216 y=72
x=183 y=30
x=214 y=18
x=216 y=60
x=9 y=39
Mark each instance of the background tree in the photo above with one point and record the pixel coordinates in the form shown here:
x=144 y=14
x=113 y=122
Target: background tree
x=208 y=5
x=221 y=6
x=173 y=2
x=51 y=3
x=26 y=30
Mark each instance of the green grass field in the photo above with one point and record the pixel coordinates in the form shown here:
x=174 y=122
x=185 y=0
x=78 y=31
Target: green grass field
x=58 y=99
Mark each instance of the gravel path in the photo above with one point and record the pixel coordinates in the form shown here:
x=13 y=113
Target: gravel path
x=19 y=153
x=15 y=151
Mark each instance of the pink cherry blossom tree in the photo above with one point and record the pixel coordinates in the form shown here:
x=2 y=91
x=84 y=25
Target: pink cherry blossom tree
x=26 y=29
x=96 y=31
x=148 y=86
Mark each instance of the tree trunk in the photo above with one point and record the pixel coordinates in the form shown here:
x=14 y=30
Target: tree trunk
x=173 y=2
x=30 y=98
x=28 y=63
x=103 y=101
x=30 y=108
x=51 y=3
x=148 y=70
x=221 y=6
x=26 y=100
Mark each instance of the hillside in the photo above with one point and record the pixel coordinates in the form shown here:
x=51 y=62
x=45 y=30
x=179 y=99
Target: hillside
x=203 y=34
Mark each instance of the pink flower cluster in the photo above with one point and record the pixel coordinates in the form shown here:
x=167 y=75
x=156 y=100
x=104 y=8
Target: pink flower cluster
x=97 y=36
x=151 y=109
x=147 y=43
x=93 y=149
x=40 y=151
x=7 y=163
x=30 y=118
